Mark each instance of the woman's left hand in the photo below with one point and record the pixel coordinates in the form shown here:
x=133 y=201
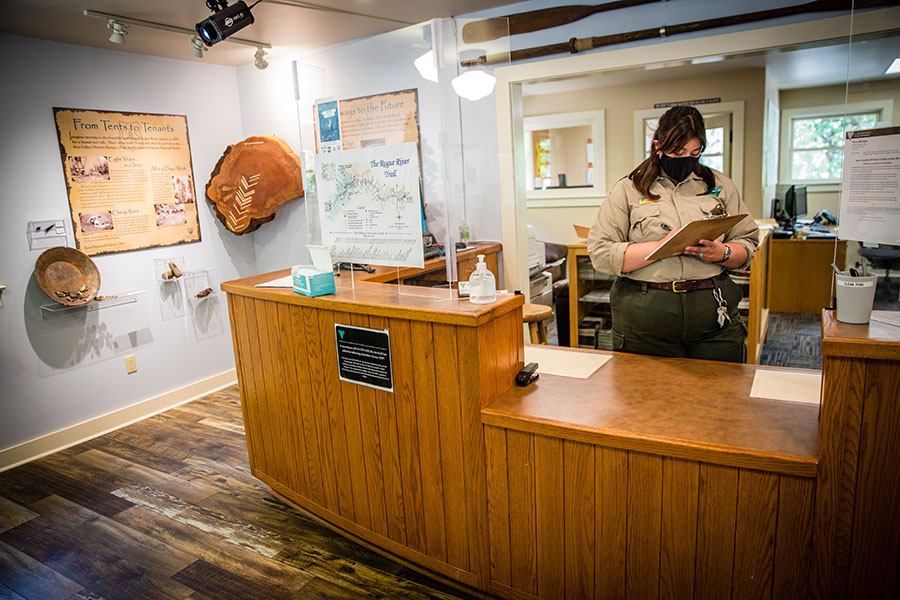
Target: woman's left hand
x=707 y=251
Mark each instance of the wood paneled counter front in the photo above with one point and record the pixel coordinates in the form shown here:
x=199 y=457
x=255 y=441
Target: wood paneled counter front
x=403 y=471
x=652 y=478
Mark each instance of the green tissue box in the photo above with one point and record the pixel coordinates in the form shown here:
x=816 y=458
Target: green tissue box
x=311 y=282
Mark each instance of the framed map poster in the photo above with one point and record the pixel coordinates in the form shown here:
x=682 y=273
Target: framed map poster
x=129 y=179
x=369 y=205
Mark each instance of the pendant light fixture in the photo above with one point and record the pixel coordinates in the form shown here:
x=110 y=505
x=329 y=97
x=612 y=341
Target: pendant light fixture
x=474 y=84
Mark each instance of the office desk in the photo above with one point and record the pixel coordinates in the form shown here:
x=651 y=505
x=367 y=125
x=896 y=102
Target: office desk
x=435 y=270
x=800 y=274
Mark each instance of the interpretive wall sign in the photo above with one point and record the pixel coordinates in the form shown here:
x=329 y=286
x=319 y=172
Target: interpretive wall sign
x=364 y=356
x=129 y=179
x=379 y=120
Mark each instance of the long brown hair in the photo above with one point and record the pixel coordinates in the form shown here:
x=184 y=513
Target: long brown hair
x=678 y=126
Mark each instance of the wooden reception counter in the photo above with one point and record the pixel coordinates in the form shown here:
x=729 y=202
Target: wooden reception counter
x=652 y=478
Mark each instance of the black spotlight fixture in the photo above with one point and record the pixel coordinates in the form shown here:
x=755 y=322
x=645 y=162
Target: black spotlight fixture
x=224 y=21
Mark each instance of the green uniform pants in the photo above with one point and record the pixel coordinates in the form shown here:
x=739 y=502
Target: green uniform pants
x=665 y=323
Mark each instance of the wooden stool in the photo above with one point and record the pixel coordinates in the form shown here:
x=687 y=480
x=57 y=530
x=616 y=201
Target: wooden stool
x=535 y=315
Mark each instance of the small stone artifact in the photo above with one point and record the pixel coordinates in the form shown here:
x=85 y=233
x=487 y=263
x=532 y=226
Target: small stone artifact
x=173 y=273
x=204 y=293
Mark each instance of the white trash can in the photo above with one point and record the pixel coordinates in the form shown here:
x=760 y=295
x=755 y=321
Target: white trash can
x=855 y=297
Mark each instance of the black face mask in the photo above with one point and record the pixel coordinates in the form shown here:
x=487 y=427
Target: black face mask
x=678 y=168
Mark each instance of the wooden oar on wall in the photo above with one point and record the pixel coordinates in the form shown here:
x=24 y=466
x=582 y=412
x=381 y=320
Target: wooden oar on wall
x=575 y=45
x=486 y=30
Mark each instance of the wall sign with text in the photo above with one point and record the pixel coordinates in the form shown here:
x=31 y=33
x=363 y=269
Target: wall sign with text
x=129 y=179
x=364 y=356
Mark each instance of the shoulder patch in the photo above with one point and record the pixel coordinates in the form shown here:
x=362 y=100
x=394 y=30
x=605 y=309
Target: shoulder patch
x=716 y=191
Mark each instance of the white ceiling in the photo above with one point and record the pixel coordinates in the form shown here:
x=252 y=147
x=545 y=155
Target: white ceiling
x=289 y=29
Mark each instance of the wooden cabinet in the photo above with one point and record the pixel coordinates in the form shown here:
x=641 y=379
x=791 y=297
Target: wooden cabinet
x=590 y=318
x=857 y=529
x=800 y=274
x=755 y=297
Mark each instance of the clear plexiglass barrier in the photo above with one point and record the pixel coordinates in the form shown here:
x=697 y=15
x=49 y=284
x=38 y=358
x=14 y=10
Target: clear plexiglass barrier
x=779 y=97
x=393 y=182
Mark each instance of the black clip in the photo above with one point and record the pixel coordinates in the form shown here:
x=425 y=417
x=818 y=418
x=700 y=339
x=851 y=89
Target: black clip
x=527 y=375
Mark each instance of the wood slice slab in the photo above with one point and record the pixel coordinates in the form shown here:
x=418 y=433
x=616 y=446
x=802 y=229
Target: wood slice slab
x=251 y=180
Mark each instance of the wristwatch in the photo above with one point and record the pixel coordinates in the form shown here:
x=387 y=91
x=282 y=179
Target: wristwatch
x=727 y=254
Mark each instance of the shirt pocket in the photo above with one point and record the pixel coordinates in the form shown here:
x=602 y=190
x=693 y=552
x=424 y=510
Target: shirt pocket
x=646 y=224
x=710 y=205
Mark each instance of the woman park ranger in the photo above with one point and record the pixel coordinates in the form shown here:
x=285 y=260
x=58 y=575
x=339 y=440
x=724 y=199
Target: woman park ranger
x=685 y=305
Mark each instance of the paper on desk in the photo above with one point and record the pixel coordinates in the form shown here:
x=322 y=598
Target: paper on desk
x=792 y=386
x=287 y=282
x=555 y=361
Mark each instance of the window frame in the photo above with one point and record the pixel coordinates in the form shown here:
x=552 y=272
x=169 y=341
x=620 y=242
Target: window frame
x=574 y=196
x=788 y=116
x=735 y=108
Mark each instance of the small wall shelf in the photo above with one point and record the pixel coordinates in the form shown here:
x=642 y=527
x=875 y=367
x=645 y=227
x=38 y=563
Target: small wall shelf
x=46 y=234
x=128 y=297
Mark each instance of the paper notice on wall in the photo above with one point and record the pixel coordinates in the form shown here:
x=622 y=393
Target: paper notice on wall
x=369 y=205
x=129 y=179
x=870 y=189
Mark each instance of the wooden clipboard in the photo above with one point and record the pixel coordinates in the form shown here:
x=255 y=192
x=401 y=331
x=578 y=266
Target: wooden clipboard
x=692 y=233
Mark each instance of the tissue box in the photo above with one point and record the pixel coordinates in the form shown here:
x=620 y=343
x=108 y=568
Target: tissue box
x=309 y=281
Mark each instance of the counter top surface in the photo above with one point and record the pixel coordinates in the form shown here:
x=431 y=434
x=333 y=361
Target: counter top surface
x=678 y=407
x=418 y=303
x=878 y=339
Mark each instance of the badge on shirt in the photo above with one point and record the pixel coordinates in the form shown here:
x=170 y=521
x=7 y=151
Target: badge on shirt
x=643 y=200
x=716 y=191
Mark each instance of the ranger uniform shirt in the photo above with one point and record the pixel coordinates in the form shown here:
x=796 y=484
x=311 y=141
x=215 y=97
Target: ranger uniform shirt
x=626 y=217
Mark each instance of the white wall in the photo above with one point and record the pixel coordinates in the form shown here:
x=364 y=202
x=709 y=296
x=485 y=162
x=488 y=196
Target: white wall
x=62 y=371
x=268 y=108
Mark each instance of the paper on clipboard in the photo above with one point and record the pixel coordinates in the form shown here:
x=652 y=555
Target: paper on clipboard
x=692 y=233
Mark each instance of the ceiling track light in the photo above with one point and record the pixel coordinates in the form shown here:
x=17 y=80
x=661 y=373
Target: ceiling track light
x=118 y=24
x=119 y=30
x=260 y=56
x=198 y=47
x=224 y=21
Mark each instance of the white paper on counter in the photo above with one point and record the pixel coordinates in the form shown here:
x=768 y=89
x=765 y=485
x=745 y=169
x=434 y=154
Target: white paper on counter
x=556 y=361
x=282 y=282
x=792 y=386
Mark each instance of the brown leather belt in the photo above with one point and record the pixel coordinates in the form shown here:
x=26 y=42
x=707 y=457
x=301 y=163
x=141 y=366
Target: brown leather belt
x=683 y=285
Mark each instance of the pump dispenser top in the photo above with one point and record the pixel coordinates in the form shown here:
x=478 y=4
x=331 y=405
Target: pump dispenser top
x=482 y=285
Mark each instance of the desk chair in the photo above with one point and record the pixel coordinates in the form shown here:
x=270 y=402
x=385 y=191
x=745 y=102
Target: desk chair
x=885 y=257
x=535 y=315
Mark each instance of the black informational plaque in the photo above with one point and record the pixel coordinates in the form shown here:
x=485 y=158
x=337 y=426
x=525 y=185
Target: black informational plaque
x=364 y=356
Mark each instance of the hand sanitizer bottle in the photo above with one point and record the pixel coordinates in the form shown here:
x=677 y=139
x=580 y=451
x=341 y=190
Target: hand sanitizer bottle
x=464 y=232
x=482 y=285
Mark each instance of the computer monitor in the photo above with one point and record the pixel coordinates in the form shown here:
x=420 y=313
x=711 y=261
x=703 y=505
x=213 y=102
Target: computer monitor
x=799 y=205
x=790 y=203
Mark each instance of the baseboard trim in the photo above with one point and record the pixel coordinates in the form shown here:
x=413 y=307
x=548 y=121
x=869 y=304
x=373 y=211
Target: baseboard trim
x=86 y=430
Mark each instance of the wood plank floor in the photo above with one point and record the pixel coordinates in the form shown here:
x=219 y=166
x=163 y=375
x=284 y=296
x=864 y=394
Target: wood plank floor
x=167 y=508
